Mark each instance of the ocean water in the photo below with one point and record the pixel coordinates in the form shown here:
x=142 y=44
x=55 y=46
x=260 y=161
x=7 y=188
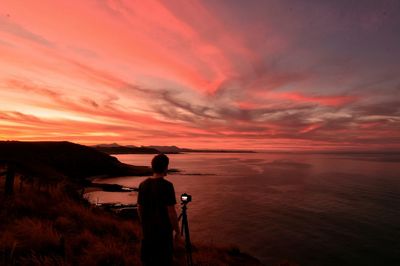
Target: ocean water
x=312 y=209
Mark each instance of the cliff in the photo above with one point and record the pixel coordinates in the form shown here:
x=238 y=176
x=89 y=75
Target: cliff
x=65 y=159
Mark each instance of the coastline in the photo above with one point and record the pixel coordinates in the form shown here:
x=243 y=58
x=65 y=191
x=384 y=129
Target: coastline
x=54 y=224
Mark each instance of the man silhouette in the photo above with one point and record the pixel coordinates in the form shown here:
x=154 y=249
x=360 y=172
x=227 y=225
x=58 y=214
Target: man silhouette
x=157 y=214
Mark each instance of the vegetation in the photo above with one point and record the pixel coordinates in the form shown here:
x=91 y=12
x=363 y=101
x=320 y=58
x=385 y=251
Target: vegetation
x=55 y=160
x=55 y=226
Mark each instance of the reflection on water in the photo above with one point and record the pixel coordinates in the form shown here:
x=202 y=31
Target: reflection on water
x=311 y=209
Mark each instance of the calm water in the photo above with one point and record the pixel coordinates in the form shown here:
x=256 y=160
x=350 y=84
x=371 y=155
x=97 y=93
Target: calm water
x=310 y=209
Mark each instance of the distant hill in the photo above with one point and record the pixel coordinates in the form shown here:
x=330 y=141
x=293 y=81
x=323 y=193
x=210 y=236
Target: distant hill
x=218 y=151
x=117 y=149
x=110 y=145
x=175 y=149
x=65 y=159
x=167 y=149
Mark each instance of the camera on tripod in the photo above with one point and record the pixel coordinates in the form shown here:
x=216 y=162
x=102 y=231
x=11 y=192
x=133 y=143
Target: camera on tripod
x=186 y=198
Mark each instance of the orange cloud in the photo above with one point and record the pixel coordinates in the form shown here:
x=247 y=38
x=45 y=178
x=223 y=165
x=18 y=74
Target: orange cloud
x=189 y=73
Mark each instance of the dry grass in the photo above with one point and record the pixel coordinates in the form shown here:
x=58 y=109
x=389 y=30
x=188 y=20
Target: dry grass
x=51 y=228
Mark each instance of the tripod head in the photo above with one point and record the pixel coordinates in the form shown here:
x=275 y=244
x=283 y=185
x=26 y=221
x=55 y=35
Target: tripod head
x=186 y=198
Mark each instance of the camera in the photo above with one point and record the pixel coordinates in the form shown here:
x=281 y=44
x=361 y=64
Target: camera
x=186 y=198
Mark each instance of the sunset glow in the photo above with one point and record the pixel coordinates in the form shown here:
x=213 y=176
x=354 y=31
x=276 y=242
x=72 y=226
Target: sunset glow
x=274 y=75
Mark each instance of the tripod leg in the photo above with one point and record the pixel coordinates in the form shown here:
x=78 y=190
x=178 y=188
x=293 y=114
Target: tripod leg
x=188 y=244
x=182 y=229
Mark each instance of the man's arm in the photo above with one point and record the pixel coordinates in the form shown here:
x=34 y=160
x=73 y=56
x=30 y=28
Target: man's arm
x=173 y=218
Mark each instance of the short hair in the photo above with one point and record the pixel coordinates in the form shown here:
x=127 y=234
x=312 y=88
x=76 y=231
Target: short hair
x=160 y=163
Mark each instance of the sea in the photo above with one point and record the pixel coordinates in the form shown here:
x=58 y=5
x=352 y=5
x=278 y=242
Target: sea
x=308 y=209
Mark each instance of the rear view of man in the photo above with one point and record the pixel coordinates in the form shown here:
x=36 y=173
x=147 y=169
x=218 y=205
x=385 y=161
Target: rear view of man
x=157 y=214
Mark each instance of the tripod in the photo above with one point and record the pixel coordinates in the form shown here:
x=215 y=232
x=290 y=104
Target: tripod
x=185 y=230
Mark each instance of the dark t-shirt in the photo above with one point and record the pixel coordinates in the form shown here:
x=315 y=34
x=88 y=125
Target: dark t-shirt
x=155 y=194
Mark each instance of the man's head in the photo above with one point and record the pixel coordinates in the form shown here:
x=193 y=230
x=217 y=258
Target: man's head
x=160 y=164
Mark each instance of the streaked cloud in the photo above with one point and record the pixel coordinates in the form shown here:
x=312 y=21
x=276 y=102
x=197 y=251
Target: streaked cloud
x=206 y=74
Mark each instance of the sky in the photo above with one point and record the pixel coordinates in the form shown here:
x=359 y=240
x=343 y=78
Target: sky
x=272 y=75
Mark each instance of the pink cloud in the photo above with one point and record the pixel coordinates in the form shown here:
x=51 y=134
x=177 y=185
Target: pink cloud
x=191 y=73
x=298 y=97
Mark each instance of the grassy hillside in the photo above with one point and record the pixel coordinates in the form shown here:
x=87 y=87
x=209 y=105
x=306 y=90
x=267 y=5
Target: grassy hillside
x=56 y=227
x=64 y=159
